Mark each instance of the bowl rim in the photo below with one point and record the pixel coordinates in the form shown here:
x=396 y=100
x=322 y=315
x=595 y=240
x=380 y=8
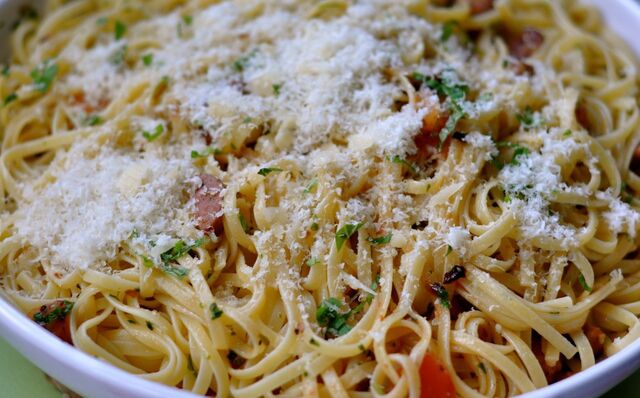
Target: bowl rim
x=93 y=377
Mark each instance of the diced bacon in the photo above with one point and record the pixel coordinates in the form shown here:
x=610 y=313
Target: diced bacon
x=58 y=325
x=428 y=140
x=596 y=338
x=480 y=6
x=208 y=201
x=526 y=43
x=78 y=99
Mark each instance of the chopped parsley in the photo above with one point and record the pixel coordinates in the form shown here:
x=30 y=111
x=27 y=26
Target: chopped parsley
x=119 y=56
x=152 y=136
x=449 y=250
x=330 y=315
x=398 y=160
x=43 y=75
x=119 y=30
x=583 y=283
x=149 y=325
x=243 y=223
x=345 y=233
x=312 y=261
x=208 y=151
x=313 y=341
x=242 y=63
x=6 y=70
x=186 y=20
x=380 y=239
x=447 y=30
x=92 y=120
x=146 y=261
x=625 y=196
x=567 y=133
x=518 y=150
x=276 y=89
x=527 y=118
x=147 y=59
x=178 y=272
x=454 y=92
x=179 y=250
x=266 y=170
x=215 y=311
x=315 y=226
x=10 y=98
x=482 y=368
x=441 y=293
x=311 y=185
x=46 y=315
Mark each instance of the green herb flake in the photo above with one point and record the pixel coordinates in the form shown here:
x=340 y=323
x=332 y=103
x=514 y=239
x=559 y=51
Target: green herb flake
x=215 y=311
x=583 y=283
x=187 y=19
x=526 y=117
x=380 y=240
x=6 y=70
x=10 y=98
x=266 y=170
x=311 y=186
x=178 y=272
x=567 y=133
x=449 y=250
x=92 y=120
x=313 y=341
x=147 y=59
x=345 y=233
x=242 y=63
x=146 y=261
x=276 y=89
x=447 y=30
x=208 y=151
x=441 y=293
x=243 y=223
x=315 y=226
x=43 y=75
x=119 y=30
x=330 y=315
x=312 y=261
x=482 y=368
x=131 y=321
x=455 y=92
x=398 y=160
x=119 y=56
x=518 y=150
x=152 y=136
x=46 y=315
x=149 y=325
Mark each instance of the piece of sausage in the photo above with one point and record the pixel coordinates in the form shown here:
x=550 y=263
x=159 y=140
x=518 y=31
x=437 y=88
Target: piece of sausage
x=524 y=44
x=208 y=199
x=480 y=6
x=55 y=318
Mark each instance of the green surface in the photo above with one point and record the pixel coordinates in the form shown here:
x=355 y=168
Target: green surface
x=19 y=378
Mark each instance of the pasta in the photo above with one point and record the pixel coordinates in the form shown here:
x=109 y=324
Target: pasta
x=324 y=198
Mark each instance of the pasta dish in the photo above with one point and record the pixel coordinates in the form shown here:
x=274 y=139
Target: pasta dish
x=324 y=198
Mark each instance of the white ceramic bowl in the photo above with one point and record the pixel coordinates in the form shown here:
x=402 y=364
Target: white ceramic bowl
x=94 y=378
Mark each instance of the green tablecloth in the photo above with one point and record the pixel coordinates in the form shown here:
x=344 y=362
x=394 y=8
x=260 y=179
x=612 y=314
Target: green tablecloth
x=19 y=378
